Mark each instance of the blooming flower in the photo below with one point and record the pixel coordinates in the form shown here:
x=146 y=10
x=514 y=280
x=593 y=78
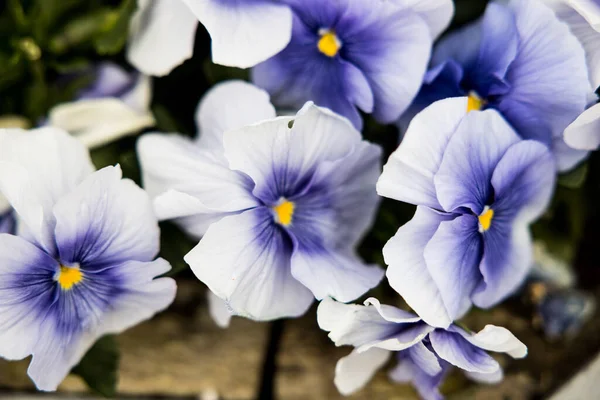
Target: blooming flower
x=116 y=104
x=243 y=32
x=478 y=186
x=280 y=204
x=518 y=59
x=84 y=265
x=424 y=353
x=583 y=18
x=350 y=54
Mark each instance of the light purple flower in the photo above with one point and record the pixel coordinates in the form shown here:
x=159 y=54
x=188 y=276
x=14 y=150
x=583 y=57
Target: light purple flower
x=424 y=353
x=281 y=204
x=84 y=263
x=478 y=186
x=116 y=104
x=353 y=54
x=243 y=32
x=520 y=60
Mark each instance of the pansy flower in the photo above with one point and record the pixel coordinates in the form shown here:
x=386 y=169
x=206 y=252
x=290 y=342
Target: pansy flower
x=424 y=354
x=518 y=59
x=117 y=103
x=351 y=54
x=281 y=204
x=583 y=18
x=84 y=263
x=478 y=187
x=243 y=32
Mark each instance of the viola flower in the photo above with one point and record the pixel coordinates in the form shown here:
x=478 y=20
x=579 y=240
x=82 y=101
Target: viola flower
x=520 y=60
x=84 y=266
x=348 y=55
x=583 y=18
x=478 y=187
x=243 y=32
x=280 y=205
x=116 y=104
x=424 y=353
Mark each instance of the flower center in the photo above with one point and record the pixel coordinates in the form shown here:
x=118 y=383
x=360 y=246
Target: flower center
x=67 y=277
x=485 y=219
x=329 y=44
x=475 y=103
x=284 y=211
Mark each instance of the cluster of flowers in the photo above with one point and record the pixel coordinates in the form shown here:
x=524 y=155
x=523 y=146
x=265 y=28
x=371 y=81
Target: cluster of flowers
x=490 y=115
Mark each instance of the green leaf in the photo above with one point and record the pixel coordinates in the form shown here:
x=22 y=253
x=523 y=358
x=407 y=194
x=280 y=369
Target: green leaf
x=575 y=178
x=99 y=367
x=114 y=33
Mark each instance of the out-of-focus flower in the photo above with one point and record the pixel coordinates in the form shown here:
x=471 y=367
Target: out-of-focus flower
x=243 y=32
x=518 y=59
x=583 y=18
x=564 y=312
x=424 y=353
x=478 y=187
x=281 y=204
x=348 y=55
x=115 y=105
x=83 y=266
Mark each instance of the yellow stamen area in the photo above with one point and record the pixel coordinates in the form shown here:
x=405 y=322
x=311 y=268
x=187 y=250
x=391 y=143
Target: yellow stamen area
x=329 y=44
x=284 y=211
x=485 y=219
x=69 y=277
x=475 y=103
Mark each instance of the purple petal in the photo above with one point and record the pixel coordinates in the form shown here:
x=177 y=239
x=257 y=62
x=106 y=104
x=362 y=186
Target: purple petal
x=426 y=385
x=424 y=359
x=453 y=256
x=455 y=349
x=463 y=179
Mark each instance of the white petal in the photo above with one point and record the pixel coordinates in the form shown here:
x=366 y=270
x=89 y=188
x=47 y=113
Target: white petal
x=230 y=105
x=489 y=379
x=140 y=96
x=244 y=33
x=218 y=309
x=498 y=339
x=584 y=132
x=407 y=272
x=437 y=13
x=161 y=37
x=408 y=174
x=97 y=122
x=589 y=9
x=186 y=181
x=356 y=369
x=36 y=168
x=244 y=260
x=106 y=220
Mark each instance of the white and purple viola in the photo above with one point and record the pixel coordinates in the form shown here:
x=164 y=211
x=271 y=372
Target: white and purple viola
x=280 y=205
x=424 y=354
x=478 y=186
x=83 y=264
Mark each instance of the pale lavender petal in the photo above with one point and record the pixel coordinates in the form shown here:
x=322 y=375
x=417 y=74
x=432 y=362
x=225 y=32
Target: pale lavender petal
x=463 y=178
x=455 y=349
x=356 y=369
x=453 y=256
x=584 y=132
x=407 y=272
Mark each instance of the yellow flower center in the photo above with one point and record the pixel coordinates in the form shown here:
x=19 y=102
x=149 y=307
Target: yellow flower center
x=485 y=219
x=69 y=277
x=475 y=103
x=284 y=211
x=329 y=44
